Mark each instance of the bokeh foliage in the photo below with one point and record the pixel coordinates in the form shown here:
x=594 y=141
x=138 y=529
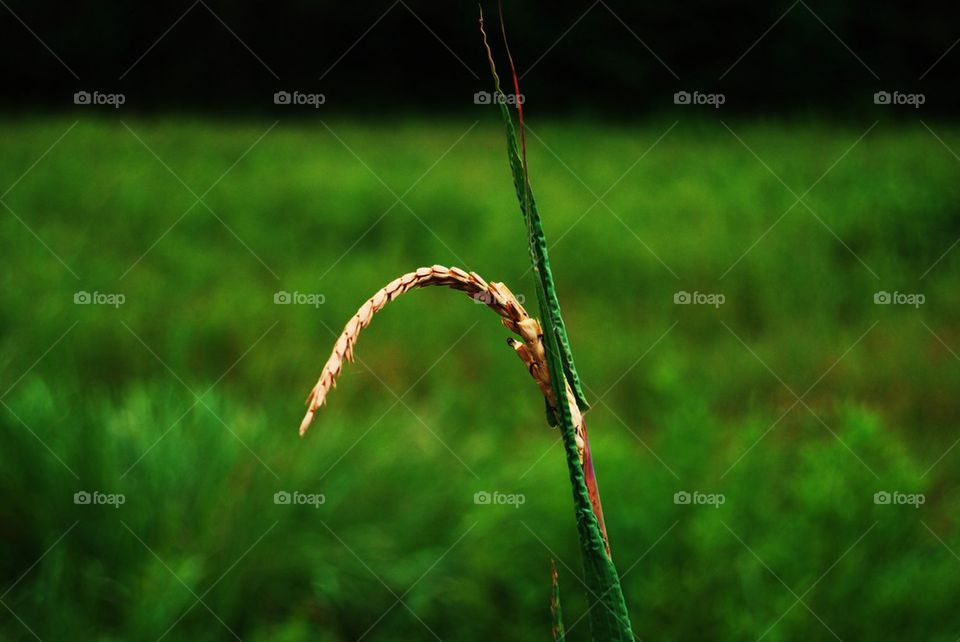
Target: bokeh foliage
x=397 y=499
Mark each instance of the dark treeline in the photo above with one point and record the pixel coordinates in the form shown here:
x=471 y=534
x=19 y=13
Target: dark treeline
x=610 y=56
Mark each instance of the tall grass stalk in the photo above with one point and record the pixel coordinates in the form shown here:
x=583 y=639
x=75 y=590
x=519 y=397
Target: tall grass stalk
x=611 y=622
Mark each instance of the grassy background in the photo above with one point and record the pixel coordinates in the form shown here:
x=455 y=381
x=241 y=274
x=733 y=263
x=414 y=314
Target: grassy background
x=187 y=397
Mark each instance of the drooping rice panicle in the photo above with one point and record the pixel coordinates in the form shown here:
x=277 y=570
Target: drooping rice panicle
x=495 y=296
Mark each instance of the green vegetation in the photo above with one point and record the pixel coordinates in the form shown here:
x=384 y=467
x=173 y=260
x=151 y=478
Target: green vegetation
x=114 y=399
x=609 y=618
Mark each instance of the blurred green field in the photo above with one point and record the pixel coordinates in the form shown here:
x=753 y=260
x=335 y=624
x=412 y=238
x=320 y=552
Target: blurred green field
x=186 y=398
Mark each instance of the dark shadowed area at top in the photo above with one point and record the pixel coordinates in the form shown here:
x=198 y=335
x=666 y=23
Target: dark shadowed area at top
x=601 y=56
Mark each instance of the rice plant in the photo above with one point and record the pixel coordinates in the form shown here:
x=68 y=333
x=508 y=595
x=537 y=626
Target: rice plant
x=545 y=350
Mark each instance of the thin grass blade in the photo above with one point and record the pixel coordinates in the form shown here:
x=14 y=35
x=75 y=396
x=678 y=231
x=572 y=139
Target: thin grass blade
x=556 y=613
x=609 y=622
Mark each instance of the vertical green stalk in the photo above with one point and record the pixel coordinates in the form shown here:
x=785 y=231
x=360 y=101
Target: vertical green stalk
x=609 y=619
